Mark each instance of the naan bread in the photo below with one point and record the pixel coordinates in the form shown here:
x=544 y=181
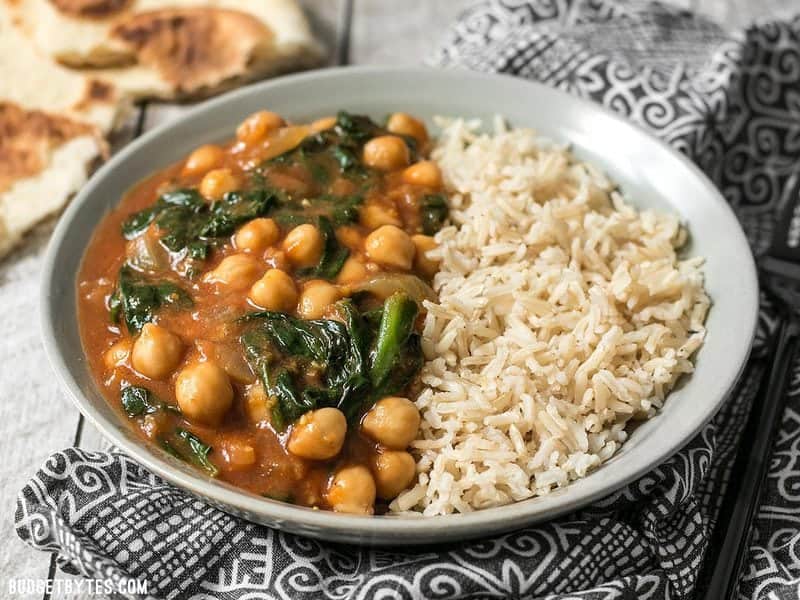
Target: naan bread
x=53 y=118
x=44 y=159
x=33 y=81
x=171 y=48
x=52 y=123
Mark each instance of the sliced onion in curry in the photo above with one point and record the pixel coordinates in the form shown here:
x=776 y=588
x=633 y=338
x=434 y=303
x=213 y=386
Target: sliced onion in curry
x=229 y=357
x=278 y=142
x=147 y=254
x=384 y=285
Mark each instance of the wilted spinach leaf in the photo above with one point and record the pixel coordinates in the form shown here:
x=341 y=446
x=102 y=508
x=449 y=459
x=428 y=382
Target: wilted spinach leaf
x=346 y=158
x=198 y=250
x=405 y=365
x=182 y=197
x=342 y=143
x=345 y=210
x=319 y=173
x=355 y=129
x=317 y=339
x=360 y=359
x=341 y=210
x=397 y=355
x=115 y=306
x=433 y=212
x=138 y=401
x=351 y=377
x=413 y=147
x=137 y=300
x=138 y=222
x=187 y=222
x=333 y=253
x=187 y=446
x=260 y=352
x=278 y=342
x=180 y=226
x=235 y=209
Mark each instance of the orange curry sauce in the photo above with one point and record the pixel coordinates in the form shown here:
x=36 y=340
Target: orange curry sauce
x=395 y=205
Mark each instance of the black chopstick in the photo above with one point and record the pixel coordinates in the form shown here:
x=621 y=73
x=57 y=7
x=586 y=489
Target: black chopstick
x=733 y=527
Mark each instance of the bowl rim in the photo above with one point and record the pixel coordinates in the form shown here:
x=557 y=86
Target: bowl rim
x=459 y=525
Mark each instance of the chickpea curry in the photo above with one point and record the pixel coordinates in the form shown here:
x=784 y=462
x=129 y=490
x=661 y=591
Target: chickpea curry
x=255 y=308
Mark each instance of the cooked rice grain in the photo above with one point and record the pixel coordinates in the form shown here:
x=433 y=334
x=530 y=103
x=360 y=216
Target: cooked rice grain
x=563 y=313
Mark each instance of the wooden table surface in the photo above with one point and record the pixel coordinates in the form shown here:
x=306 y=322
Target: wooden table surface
x=385 y=32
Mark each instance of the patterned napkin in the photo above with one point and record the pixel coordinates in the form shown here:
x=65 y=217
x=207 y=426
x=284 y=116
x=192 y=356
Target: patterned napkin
x=733 y=105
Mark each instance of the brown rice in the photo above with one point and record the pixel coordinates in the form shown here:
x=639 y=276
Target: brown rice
x=563 y=313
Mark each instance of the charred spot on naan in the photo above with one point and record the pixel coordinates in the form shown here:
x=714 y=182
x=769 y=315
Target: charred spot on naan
x=26 y=138
x=99 y=91
x=195 y=49
x=96 y=92
x=91 y=9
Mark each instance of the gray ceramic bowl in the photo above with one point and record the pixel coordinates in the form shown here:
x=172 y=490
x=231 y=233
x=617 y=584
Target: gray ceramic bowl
x=650 y=173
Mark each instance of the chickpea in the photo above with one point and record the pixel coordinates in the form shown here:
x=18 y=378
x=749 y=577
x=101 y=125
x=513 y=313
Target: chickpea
x=423 y=264
x=352 y=490
x=392 y=422
x=350 y=237
x=258 y=126
x=240 y=456
x=156 y=352
x=373 y=216
x=323 y=124
x=117 y=353
x=303 y=245
x=276 y=259
x=386 y=153
x=203 y=159
x=274 y=291
x=319 y=434
x=237 y=271
x=316 y=297
x=394 y=470
x=215 y=184
x=204 y=392
x=405 y=124
x=257 y=403
x=425 y=173
x=257 y=235
x=353 y=271
x=390 y=246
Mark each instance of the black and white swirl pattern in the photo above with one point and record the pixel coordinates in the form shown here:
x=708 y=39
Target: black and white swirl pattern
x=732 y=104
